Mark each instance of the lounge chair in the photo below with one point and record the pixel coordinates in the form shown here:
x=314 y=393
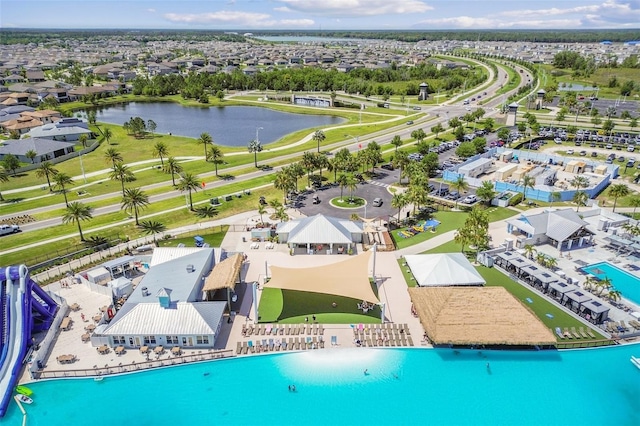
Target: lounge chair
x=321 y=342
x=410 y=340
x=251 y=347
x=245 y=348
x=334 y=340
x=315 y=329
x=369 y=343
x=590 y=333
x=624 y=326
x=575 y=333
x=320 y=329
x=268 y=329
x=265 y=347
x=403 y=341
x=314 y=344
x=287 y=330
x=297 y=343
x=567 y=333
x=271 y=345
x=582 y=333
x=274 y=330
x=283 y=343
x=308 y=343
x=277 y=345
x=239 y=348
x=292 y=344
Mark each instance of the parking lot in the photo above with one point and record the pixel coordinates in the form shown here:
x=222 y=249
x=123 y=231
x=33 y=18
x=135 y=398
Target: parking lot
x=369 y=190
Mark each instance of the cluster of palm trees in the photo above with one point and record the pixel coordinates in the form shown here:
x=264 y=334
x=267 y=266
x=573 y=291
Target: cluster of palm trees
x=212 y=152
x=344 y=166
x=542 y=259
x=599 y=286
x=475 y=231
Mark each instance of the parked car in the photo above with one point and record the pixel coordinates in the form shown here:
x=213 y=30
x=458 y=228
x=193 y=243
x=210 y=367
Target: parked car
x=470 y=199
x=377 y=202
x=453 y=195
x=410 y=122
x=387 y=166
x=416 y=108
x=569 y=152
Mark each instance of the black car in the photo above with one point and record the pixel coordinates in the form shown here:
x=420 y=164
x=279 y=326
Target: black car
x=442 y=192
x=387 y=166
x=453 y=195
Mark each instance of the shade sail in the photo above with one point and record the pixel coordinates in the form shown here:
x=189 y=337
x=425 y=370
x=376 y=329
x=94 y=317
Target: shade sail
x=349 y=278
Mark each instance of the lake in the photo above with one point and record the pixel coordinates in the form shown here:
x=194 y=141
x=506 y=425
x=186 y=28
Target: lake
x=229 y=126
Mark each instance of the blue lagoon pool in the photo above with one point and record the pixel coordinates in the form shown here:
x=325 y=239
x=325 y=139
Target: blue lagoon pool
x=626 y=283
x=401 y=386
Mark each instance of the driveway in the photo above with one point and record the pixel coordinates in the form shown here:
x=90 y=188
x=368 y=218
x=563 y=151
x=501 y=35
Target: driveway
x=370 y=189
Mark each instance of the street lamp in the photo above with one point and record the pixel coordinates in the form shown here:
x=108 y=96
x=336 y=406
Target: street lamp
x=82 y=168
x=357 y=138
x=258 y=133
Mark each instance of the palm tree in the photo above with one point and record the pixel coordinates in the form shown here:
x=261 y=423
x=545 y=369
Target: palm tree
x=399 y=201
x=4 y=177
x=83 y=140
x=541 y=258
x=318 y=137
x=160 y=150
x=77 y=212
x=188 y=182
x=173 y=167
x=31 y=155
x=397 y=142
x=486 y=192
x=216 y=155
x=554 y=196
x=255 y=147
x=589 y=283
x=46 y=170
x=527 y=182
x=635 y=203
x=352 y=185
x=401 y=160
x=261 y=210
x=113 y=156
x=618 y=190
x=284 y=182
x=133 y=200
x=579 y=182
x=151 y=227
x=604 y=284
x=551 y=262
x=62 y=181
x=309 y=163
x=342 y=180
x=205 y=212
x=122 y=173
x=614 y=295
x=459 y=185
x=205 y=140
x=108 y=134
x=296 y=171
x=580 y=198
x=529 y=250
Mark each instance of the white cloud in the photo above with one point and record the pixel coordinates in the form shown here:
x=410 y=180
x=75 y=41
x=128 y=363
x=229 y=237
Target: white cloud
x=465 y=22
x=221 y=17
x=238 y=19
x=353 y=8
x=550 y=12
x=151 y=10
x=284 y=9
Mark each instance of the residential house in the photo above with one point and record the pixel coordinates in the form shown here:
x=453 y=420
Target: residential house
x=46 y=149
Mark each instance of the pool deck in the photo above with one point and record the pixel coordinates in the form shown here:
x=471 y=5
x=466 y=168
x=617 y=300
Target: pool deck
x=392 y=292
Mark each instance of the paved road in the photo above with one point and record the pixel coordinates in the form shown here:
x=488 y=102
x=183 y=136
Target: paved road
x=453 y=107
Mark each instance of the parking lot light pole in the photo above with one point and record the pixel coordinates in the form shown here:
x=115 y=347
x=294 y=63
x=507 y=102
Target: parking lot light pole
x=258 y=134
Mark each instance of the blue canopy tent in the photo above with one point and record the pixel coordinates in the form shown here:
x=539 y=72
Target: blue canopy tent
x=199 y=241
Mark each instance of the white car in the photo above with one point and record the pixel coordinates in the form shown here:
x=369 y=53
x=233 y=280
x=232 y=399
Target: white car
x=569 y=152
x=470 y=199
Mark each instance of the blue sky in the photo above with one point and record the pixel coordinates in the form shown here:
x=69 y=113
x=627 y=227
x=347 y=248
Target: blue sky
x=321 y=14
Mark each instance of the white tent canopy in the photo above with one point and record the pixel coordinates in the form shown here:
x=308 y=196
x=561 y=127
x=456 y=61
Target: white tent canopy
x=445 y=269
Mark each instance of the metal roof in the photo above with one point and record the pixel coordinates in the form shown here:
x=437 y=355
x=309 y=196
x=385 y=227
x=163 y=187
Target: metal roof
x=39 y=145
x=320 y=229
x=166 y=254
x=201 y=318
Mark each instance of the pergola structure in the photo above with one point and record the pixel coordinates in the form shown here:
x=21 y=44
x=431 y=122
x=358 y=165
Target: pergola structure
x=470 y=316
x=225 y=275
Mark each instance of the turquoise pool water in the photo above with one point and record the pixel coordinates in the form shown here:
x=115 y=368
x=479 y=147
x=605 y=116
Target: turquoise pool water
x=402 y=386
x=627 y=284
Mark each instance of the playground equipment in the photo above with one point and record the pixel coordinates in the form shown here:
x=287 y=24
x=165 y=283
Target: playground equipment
x=25 y=308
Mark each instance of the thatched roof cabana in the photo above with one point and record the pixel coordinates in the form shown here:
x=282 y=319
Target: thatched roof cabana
x=477 y=316
x=225 y=274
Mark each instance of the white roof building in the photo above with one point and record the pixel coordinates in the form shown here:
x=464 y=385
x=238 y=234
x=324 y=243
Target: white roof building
x=166 y=308
x=444 y=269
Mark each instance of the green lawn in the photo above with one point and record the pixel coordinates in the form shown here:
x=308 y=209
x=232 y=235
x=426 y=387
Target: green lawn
x=292 y=307
x=449 y=220
x=214 y=239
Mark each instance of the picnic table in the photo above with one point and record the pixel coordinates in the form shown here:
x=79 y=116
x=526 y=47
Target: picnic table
x=75 y=307
x=144 y=349
x=159 y=350
x=85 y=337
x=65 y=324
x=176 y=350
x=97 y=318
x=90 y=328
x=119 y=350
x=102 y=350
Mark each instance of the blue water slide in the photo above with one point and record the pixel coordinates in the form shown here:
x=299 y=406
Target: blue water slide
x=21 y=297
